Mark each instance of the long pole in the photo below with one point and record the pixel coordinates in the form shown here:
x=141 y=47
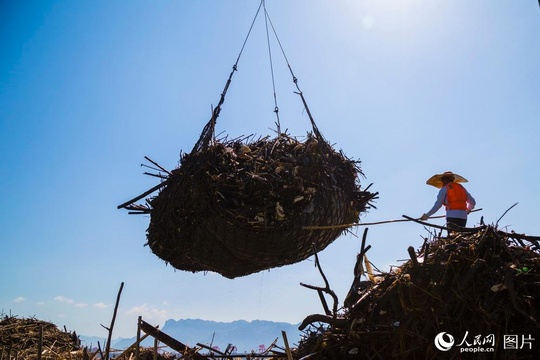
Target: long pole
x=138 y=348
x=343 y=226
x=108 y=346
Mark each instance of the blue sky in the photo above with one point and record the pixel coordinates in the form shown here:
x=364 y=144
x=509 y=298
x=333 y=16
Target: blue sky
x=88 y=88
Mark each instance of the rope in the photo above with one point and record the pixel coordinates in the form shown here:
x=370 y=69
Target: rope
x=276 y=108
x=208 y=131
x=247 y=36
x=295 y=79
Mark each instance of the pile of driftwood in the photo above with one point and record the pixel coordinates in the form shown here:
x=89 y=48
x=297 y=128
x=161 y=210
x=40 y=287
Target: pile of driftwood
x=26 y=338
x=477 y=291
x=240 y=206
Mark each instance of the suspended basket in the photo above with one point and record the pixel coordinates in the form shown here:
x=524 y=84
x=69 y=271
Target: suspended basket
x=236 y=207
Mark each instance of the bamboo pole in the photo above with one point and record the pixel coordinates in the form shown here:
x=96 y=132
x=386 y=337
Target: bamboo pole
x=131 y=346
x=108 y=346
x=344 y=226
x=156 y=164
x=287 y=349
x=100 y=351
x=158 y=186
x=211 y=349
x=138 y=348
x=462 y=230
x=168 y=340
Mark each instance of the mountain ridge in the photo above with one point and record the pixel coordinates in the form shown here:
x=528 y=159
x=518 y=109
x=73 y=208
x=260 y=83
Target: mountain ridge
x=245 y=335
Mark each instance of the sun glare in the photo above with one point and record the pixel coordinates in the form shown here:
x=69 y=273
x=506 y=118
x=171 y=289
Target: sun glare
x=392 y=15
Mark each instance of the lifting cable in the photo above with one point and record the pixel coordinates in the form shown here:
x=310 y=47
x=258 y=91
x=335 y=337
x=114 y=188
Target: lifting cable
x=294 y=78
x=276 y=108
x=208 y=131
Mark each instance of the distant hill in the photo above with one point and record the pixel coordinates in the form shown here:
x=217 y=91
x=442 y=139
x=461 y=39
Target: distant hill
x=245 y=335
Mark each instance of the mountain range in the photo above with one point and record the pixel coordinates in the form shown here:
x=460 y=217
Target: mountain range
x=246 y=336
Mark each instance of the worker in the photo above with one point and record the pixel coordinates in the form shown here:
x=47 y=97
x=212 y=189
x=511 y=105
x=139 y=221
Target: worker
x=454 y=197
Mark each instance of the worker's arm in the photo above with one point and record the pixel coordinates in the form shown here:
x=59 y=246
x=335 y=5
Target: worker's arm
x=440 y=201
x=471 y=203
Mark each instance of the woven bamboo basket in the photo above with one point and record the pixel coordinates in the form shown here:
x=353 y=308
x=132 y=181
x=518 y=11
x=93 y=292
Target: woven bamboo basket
x=239 y=207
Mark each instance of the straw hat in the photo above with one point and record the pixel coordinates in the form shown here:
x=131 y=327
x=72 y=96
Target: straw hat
x=436 y=180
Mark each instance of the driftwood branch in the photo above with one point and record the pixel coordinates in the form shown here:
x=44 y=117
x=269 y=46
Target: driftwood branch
x=326 y=289
x=412 y=255
x=131 y=347
x=532 y=239
x=168 y=340
x=358 y=271
x=108 y=345
x=156 y=175
x=146 y=193
x=510 y=208
x=462 y=230
x=363 y=251
x=211 y=349
x=323 y=302
x=286 y=343
x=159 y=166
x=334 y=321
x=99 y=350
x=329 y=314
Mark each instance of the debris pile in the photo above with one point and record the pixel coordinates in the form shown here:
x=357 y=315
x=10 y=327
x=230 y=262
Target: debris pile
x=236 y=207
x=21 y=338
x=480 y=289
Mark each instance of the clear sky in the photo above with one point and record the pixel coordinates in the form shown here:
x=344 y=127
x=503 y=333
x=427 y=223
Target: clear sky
x=88 y=88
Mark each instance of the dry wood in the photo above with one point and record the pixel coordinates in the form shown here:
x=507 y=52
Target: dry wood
x=481 y=282
x=110 y=329
x=325 y=289
x=168 y=340
x=412 y=254
x=344 y=226
x=287 y=348
x=144 y=194
x=461 y=230
x=331 y=320
x=31 y=338
x=237 y=207
x=129 y=349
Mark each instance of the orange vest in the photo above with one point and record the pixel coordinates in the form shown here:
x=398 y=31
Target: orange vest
x=456 y=197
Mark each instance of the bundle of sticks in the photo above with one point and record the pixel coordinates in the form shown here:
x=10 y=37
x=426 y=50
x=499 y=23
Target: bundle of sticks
x=24 y=338
x=239 y=206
